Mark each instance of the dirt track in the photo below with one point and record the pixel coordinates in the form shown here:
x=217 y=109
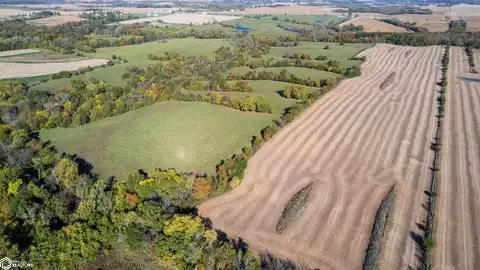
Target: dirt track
x=354 y=143
x=458 y=214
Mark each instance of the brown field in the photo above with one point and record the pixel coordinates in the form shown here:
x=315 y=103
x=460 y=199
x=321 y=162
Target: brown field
x=186 y=18
x=292 y=9
x=18 y=70
x=56 y=20
x=16 y=52
x=372 y=25
x=477 y=59
x=437 y=22
x=353 y=144
x=458 y=214
x=7 y=12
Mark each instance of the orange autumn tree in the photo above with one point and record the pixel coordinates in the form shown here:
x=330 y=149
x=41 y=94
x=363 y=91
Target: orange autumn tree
x=202 y=188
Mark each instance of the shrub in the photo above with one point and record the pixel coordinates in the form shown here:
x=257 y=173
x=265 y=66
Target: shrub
x=372 y=254
x=294 y=208
x=429 y=243
x=326 y=47
x=295 y=92
x=114 y=57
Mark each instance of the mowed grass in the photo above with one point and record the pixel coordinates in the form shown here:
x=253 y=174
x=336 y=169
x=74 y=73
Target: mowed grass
x=188 y=136
x=336 y=52
x=137 y=55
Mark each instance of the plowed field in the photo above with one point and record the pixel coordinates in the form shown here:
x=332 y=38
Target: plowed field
x=354 y=144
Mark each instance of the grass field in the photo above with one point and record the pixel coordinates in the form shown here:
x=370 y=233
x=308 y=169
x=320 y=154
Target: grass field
x=186 y=46
x=137 y=55
x=325 y=19
x=299 y=71
x=265 y=27
x=336 y=52
x=186 y=136
x=271 y=91
x=183 y=135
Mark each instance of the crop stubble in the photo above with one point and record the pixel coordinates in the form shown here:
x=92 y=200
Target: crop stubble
x=354 y=143
x=458 y=214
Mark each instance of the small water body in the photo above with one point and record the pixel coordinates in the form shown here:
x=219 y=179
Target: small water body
x=318 y=21
x=243 y=28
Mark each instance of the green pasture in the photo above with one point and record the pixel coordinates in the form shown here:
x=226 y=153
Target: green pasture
x=137 y=55
x=265 y=27
x=299 y=71
x=185 y=46
x=325 y=19
x=336 y=52
x=188 y=136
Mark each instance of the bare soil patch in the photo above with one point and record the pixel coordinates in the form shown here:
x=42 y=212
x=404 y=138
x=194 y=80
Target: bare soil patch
x=355 y=143
x=149 y=19
x=187 y=18
x=17 y=52
x=372 y=25
x=458 y=214
x=18 y=70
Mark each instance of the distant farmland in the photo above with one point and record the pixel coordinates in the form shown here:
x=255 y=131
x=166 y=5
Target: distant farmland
x=21 y=70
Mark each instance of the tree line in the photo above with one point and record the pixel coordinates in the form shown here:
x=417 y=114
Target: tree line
x=471 y=59
x=407 y=25
x=283 y=76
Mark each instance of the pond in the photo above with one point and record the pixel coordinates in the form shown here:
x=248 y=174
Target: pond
x=242 y=28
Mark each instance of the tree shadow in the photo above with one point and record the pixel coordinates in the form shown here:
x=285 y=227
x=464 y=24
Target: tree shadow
x=417 y=238
x=421 y=226
x=269 y=262
x=280 y=93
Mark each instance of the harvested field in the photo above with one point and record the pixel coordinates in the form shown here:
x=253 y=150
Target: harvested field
x=7 y=12
x=17 y=52
x=372 y=25
x=458 y=211
x=354 y=144
x=434 y=22
x=18 y=70
x=476 y=55
x=56 y=20
x=143 y=20
x=187 y=18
